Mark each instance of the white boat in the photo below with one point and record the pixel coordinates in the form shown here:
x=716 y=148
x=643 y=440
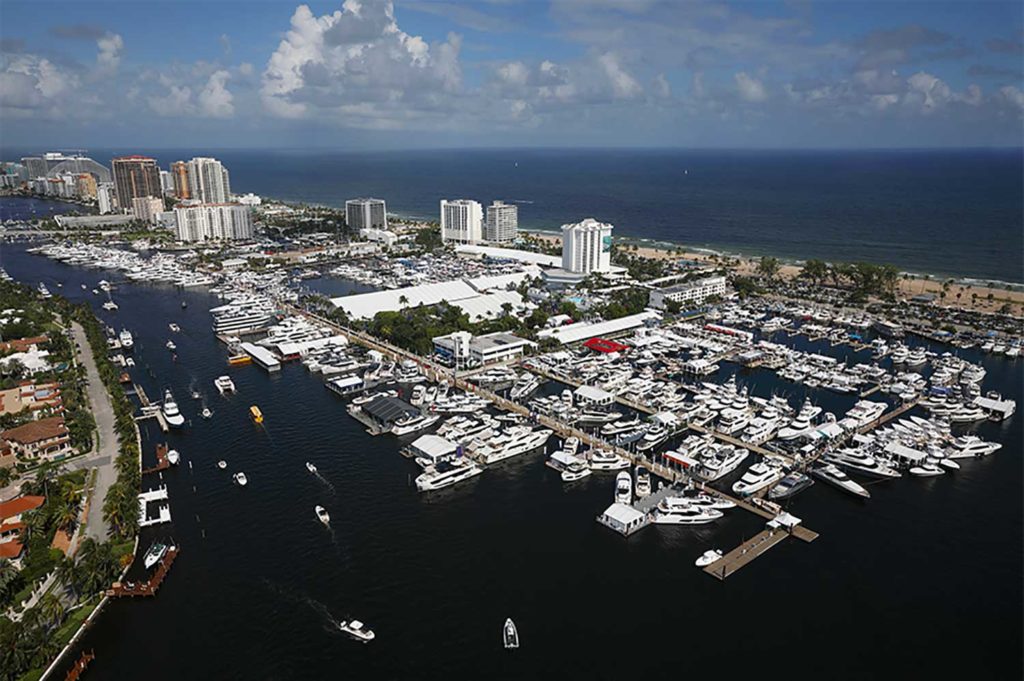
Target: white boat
x=322 y=514
x=173 y=457
x=971 y=446
x=171 y=413
x=858 y=461
x=642 y=487
x=515 y=441
x=601 y=460
x=240 y=479
x=222 y=464
x=174 y=327
x=156 y=552
x=171 y=346
x=224 y=384
x=927 y=469
x=577 y=470
x=680 y=511
x=357 y=630
x=624 y=488
x=446 y=473
x=524 y=386
x=413 y=424
x=720 y=461
x=832 y=475
x=708 y=557
x=109 y=305
x=791 y=485
x=510 y=635
x=311 y=468
x=126 y=340
x=206 y=413
x=757 y=477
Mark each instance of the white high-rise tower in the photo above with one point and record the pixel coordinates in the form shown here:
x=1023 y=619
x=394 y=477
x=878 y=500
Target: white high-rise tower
x=461 y=221
x=586 y=247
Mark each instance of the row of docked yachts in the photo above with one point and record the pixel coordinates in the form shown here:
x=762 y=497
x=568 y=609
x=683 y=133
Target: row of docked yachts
x=159 y=267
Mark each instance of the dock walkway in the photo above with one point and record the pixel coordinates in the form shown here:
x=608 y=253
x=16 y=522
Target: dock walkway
x=162 y=463
x=80 y=665
x=745 y=553
x=149 y=587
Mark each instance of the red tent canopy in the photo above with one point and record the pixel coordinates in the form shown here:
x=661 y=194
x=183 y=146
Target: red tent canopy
x=605 y=345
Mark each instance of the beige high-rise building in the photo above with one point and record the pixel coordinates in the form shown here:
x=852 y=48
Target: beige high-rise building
x=85 y=186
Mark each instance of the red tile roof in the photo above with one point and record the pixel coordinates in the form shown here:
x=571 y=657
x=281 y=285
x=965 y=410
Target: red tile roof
x=19 y=505
x=37 y=431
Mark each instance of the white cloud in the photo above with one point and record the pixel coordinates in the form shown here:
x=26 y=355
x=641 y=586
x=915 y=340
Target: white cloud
x=176 y=102
x=662 y=87
x=109 y=57
x=750 y=89
x=624 y=85
x=215 y=100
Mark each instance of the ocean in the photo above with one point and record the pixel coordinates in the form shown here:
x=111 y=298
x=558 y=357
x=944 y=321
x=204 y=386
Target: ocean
x=921 y=581
x=947 y=213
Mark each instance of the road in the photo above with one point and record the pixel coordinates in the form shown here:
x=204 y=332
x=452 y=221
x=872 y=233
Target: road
x=105 y=451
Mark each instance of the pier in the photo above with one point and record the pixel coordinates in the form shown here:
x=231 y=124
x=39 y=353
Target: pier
x=149 y=410
x=745 y=553
x=80 y=665
x=162 y=463
x=149 y=587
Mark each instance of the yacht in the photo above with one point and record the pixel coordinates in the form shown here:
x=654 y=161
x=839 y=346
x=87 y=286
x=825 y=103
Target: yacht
x=446 y=473
x=601 y=460
x=757 y=477
x=409 y=372
x=720 y=461
x=620 y=426
x=357 y=630
x=370 y=397
x=109 y=305
x=859 y=461
x=652 y=438
x=971 y=446
x=224 y=384
x=322 y=514
x=126 y=340
x=862 y=413
x=679 y=511
x=643 y=482
x=174 y=327
x=510 y=635
x=926 y=469
x=732 y=421
x=171 y=346
x=311 y=468
x=624 y=488
x=240 y=479
x=832 y=475
x=967 y=413
x=791 y=485
x=516 y=440
x=171 y=413
x=524 y=386
x=576 y=470
x=708 y=557
x=173 y=457
x=222 y=464
x=760 y=429
x=802 y=424
x=157 y=550
x=413 y=423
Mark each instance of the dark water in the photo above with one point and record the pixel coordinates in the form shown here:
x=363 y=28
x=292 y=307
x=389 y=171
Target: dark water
x=940 y=212
x=922 y=581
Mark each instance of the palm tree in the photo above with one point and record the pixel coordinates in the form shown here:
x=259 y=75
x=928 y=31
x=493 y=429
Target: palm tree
x=51 y=609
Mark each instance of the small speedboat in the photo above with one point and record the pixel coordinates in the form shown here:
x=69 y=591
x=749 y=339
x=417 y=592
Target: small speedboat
x=927 y=469
x=173 y=457
x=322 y=514
x=240 y=479
x=156 y=552
x=222 y=464
x=708 y=557
x=196 y=395
x=357 y=629
x=171 y=346
x=510 y=634
x=206 y=413
x=311 y=468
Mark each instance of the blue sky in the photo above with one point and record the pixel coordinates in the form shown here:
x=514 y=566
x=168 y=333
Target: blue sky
x=423 y=73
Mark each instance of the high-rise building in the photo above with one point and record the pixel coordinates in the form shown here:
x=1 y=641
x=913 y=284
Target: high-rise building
x=135 y=177
x=179 y=172
x=208 y=180
x=366 y=214
x=502 y=222
x=85 y=186
x=205 y=222
x=461 y=221
x=586 y=247
x=54 y=163
x=106 y=197
x=166 y=182
x=147 y=208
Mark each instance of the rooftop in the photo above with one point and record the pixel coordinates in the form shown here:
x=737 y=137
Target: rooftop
x=37 y=431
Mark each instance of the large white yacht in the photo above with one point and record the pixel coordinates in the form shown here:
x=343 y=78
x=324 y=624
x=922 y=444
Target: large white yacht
x=624 y=488
x=126 y=340
x=757 y=477
x=720 y=460
x=862 y=413
x=971 y=446
x=859 y=461
x=621 y=426
x=680 y=511
x=602 y=460
x=515 y=441
x=414 y=423
x=171 y=413
x=524 y=386
x=802 y=424
x=446 y=473
x=835 y=477
x=643 y=482
x=242 y=315
x=224 y=384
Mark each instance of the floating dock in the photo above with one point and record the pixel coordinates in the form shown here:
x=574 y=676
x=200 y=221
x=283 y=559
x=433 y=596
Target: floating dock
x=80 y=665
x=162 y=463
x=147 y=588
x=745 y=553
x=261 y=356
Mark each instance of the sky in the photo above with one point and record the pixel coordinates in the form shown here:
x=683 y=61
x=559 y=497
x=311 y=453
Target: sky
x=376 y=74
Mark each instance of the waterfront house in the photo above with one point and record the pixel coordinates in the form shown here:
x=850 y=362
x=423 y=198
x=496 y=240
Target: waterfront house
x=43 y=440
x=12 y=525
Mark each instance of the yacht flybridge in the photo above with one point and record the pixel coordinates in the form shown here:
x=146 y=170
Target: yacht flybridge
x=171 y=412
x=126 y=340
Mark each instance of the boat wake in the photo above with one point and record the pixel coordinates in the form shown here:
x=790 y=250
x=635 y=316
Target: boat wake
x=330 y=622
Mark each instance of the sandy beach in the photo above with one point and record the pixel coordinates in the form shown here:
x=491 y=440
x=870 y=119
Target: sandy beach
x=971 y=296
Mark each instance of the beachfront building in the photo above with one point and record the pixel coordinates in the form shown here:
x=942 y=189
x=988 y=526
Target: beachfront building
x=218 y=221
x=586 y=247
x=134 y=177
x=463 y=349
x=85 y=186
x=106 y=197
x=208 y=180
x=366 y=213
x=688 y=293
x=461 y=221
x=502 y=222
x=147 y=208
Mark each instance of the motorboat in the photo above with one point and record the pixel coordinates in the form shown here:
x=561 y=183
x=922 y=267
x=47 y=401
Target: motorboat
x=224 y=384
x=831 y=474
x=370 y=397
x=173 y=457
x=858 y=461
x=510 y=635
x=720 y=461
x=157 y=550
x=171 y=346
x=256 y=414
x=802 y=424
x=602 y=460
x=196 y=395
x=679 y=511
x=357 y=630
x=524 y=386
x=577 y=470
x=171 y=412
x=206 y=413
x=971 y=446
x=624 y=488
x=322 y=514
x=174 y=327
x=515 y=441
x=927 y=469
x=222 y=464
x=791 y=485
x=620 y=426
x=240 y=479
x=311 y=468
x=446 y=473
x=594 y=417
x=126 y=340
x=757 y=477
x=708 y=557
x=413 y=423
x=643 y=482
x=109 y=305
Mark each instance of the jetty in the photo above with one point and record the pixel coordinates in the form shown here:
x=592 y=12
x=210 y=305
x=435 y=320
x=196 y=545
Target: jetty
x=162 y=463
x=150 y=586
x=745 y=553
x=81 y=664
x=149 y=410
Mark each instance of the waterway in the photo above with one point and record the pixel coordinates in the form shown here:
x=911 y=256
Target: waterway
x=923 y=580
